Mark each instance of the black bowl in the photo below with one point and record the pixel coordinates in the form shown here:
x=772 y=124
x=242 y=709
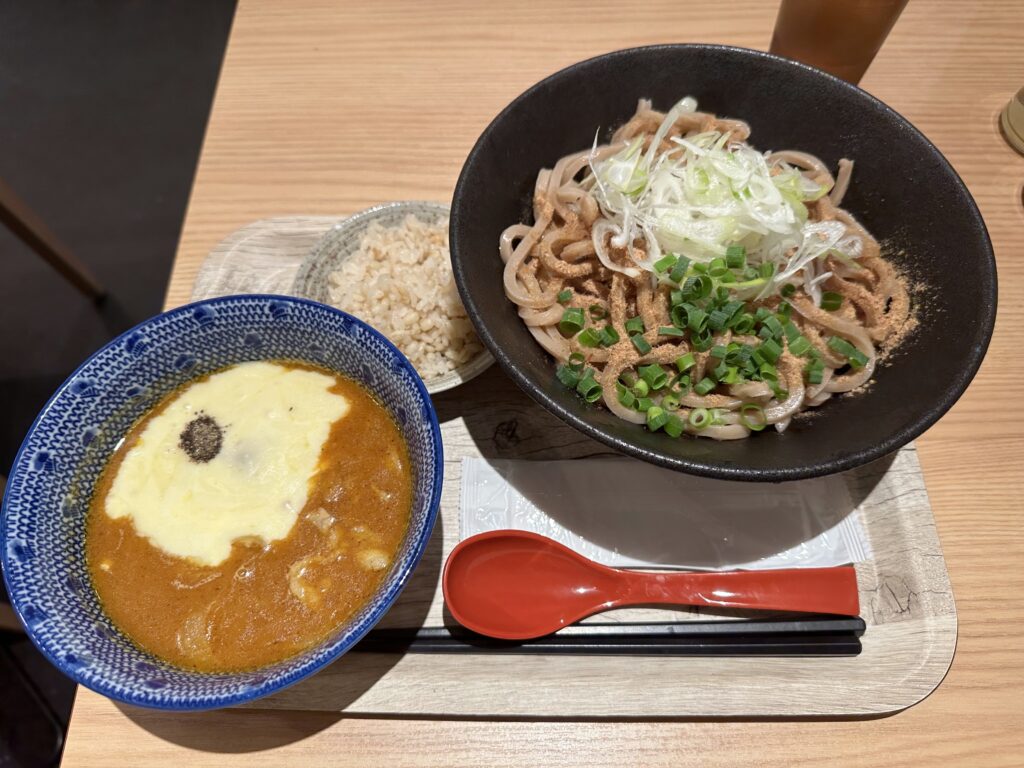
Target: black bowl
x=904 y=191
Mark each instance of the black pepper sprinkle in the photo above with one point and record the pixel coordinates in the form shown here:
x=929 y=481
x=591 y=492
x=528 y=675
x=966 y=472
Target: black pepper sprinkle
x=201 y=439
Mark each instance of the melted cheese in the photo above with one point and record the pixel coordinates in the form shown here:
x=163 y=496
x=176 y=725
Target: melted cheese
x=275 y=420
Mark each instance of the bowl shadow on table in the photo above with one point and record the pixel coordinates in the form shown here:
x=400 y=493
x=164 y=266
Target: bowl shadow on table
x=505 y=423
x=352 y=675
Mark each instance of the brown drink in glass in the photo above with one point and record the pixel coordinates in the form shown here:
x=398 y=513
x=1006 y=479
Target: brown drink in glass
x=839 y=36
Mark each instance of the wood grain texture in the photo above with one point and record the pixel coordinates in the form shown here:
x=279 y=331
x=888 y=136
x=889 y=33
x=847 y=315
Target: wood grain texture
x=327 y=108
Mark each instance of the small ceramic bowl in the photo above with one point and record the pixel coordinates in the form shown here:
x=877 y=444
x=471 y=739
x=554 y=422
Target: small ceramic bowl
x=42 y=528
x=343 y=240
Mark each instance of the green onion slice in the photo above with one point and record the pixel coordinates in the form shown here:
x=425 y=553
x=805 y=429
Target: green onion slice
x=626 y=397
x=656 y=418
x=589 y=337
x=635 y=325
x=700 y=418
x=736 y=257
x=704 y=386
x=717 y=267
x=568 y=376
x=655 y=376
x=752 y=417
x=855 y=357
x=674 y=426
x=665 y=263
x=609 y=336
x=800 y=346
x=678 y=273
x=572 y=322
x=589 y=388
x=718 y=320
x=773 y=325
x=696 y=320
x=770 y=350
x=831 y=301
x=685 y=362
x=743 y=323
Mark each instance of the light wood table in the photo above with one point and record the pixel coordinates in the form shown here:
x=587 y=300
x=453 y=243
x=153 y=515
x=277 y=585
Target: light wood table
x=326 y=107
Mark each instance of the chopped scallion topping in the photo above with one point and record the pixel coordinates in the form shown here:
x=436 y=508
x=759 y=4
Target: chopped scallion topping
x=641 y=344
x=704 y=386
x=609 y=336
x=831 y=301
x=656 y=418
x=743 y=323
x=700 y=418
x=696 y=320
x=856 y=358
x=665 y=263
x=685 y=362
x=568 y=376
x=770 y=350
x=589 y=337
x=572 y=322
x=752 y=417
x=655 y=376
x=589 y=388
x=800 y=346
x=674 y=426
x=678 y=273
x=736 y=257
x=626 y=397
x=717 y=320
x=773 y=325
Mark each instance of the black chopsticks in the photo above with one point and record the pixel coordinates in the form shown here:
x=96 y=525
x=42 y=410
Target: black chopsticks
x=810 y=636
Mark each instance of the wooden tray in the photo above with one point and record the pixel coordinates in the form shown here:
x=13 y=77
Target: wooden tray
x=906 y=598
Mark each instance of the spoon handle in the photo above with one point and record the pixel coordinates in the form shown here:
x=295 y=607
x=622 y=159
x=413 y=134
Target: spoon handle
x=807 y=590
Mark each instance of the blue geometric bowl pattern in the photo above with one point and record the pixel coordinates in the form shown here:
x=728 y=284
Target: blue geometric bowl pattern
x=42 y=528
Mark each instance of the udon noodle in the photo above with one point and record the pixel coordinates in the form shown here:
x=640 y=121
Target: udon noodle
x=692 y=284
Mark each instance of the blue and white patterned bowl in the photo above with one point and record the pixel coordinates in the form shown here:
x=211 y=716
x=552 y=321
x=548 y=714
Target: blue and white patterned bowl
x=42 y=529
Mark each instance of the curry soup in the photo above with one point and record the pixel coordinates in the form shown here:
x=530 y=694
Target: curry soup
x=279 y=531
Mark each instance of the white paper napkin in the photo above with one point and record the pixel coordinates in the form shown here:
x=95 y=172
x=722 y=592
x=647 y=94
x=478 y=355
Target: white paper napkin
x=627 y=513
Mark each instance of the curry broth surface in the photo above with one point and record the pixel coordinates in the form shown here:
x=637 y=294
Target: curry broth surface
x=266 y=602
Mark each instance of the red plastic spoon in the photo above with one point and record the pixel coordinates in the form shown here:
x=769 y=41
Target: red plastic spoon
x=517 y=585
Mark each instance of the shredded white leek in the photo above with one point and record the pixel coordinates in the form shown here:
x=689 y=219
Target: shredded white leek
x=705 y=192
